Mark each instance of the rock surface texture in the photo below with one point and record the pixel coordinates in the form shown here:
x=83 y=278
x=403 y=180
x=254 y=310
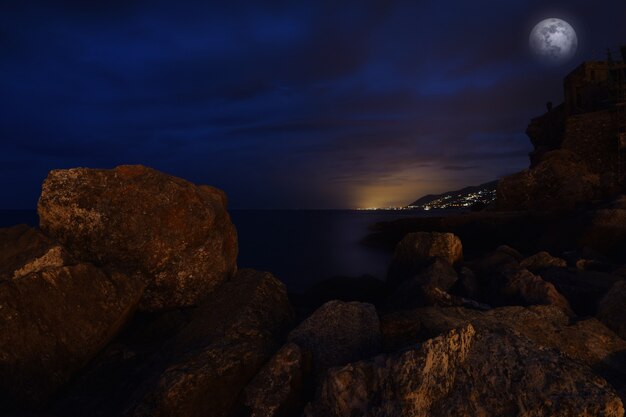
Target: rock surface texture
x=277 y=388
x=229 y=338
x=587 y=341
x=419 y=249
x=52 y=322
x=339 y=332
x=177 y=235
x=454 y=375
x=24 y=250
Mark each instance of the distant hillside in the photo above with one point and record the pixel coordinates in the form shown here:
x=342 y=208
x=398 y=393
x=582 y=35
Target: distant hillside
x=465 y=197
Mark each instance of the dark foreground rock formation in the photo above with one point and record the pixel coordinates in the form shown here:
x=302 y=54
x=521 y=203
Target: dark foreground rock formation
x=55 y=315
x=128 y=303
x=456 y=374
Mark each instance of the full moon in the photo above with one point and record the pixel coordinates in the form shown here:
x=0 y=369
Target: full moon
x=553 y=40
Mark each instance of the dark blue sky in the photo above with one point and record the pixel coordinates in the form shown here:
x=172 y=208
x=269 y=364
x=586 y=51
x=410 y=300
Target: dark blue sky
x=283 y=104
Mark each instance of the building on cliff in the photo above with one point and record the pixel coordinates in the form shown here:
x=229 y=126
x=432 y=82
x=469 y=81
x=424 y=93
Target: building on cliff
x=591 y=122
x=579 y=146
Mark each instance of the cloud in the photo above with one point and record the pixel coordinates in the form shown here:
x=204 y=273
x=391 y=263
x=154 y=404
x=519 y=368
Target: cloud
x=283 y=104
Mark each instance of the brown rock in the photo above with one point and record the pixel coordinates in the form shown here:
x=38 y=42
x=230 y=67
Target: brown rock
x=52 y=322
x=339 y=332
x=277 y=388
x=467 y=372
x=178 y=235
x=587 y=341
x=440 y=273
x=24 y=250
x=542 y=260
x=612 y=309
x=560 y=181
x=417 y=250
x=229 y=338
x=533 y=290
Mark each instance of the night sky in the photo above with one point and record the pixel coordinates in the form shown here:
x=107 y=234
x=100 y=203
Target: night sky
x=283 y=104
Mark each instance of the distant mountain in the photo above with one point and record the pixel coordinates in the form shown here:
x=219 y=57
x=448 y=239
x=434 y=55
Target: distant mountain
x=465 y=197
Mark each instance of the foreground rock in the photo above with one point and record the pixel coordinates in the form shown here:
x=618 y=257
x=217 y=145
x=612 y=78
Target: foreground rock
x=417 y=250
x=227 y=341
x=587 y=341
x=454 y=375
x=612 y=309
x=178 y=235
x=277 y=389
x=24 y=250
x=52 y=322
x=339 y=332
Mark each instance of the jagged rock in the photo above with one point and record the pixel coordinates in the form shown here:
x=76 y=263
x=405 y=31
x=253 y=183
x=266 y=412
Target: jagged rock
x=276 y=390
x=583 y=289
x=417 y=250
x=178 y=235
x=467 y=372
x=229 y=338
x=560 y=181
x=542 y=260
x=24 y=250
x=339 y=332
x=612 y=309
x=587 y=341
x=531 y=289
x=52 y=322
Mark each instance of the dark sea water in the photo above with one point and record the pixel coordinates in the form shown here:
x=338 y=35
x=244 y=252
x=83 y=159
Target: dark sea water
x=301 y=247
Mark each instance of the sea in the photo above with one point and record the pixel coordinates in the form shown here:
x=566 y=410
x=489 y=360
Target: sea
x=300 y=247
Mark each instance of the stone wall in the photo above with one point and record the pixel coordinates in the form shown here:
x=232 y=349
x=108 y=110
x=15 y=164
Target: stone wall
x=592 y=136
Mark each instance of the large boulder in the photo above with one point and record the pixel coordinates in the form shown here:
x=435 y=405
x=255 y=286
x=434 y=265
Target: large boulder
x=24 y=250
x=587 y=341
x=418 y=249
x=53 y=321
x=277 y=389
x=176 y=234
x=612 y=309
x=561 y=181
x=231 y=336
x=467 y=371
x=339 y=332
